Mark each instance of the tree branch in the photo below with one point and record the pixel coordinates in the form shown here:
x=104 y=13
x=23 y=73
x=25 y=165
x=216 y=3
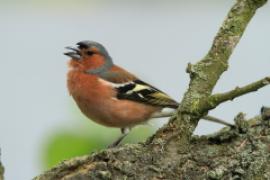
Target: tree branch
x=172 y=153
x=205 y=74
x=216 y=99
x=207 y=118
x=226 y=154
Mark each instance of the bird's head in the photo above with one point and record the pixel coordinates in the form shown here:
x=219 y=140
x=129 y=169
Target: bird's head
x=90 y=56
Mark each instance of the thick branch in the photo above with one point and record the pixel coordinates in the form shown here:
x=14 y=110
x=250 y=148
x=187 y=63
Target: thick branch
x=172 y=153
x=205 y=74
x=216 y=99
x=227 y=154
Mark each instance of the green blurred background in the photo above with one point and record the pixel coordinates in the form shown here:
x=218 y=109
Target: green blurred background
x=65 y=143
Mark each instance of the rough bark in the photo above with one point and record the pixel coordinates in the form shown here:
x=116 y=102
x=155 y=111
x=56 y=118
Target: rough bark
x=231 y=153
x=172 y=152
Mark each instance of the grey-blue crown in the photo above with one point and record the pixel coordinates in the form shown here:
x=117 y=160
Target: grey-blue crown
x=108 y=60
x=89 y=44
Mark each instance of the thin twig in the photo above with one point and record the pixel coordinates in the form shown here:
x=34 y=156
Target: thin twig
x=216 y=99
x=205 y=74
x=207 y=118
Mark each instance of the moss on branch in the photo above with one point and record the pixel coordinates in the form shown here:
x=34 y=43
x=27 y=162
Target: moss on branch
x=214 y=100
x=231 y=153
x=205 y=74
x=173 y=153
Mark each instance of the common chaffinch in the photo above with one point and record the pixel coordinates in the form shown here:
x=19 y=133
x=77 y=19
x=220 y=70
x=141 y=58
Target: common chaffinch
x=110 y=95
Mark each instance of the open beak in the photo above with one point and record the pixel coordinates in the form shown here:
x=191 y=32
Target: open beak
x=74 y=53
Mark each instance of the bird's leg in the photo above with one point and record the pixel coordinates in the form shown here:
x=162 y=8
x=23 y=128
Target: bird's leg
x=207 y=118
x=124 y=133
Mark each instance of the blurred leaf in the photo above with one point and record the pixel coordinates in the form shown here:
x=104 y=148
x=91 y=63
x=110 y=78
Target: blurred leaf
x=65 y=144
x=83 y=137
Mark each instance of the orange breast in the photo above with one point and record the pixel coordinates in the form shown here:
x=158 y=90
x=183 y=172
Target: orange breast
x=98 y=102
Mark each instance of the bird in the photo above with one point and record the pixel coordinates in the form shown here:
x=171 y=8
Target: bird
x=110 y=95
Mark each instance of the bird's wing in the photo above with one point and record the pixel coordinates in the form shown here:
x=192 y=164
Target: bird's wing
x=131 y=88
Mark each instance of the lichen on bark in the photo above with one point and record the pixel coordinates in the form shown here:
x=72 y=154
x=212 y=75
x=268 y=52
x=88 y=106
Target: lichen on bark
x=172 y=152
x=227 y=154
x=205 y=74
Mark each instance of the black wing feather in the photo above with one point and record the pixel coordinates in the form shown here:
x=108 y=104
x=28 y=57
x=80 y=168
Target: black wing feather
x=137 y=90
x=149 y=94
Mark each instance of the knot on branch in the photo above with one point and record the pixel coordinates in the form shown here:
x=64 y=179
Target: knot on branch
x=192 y=70
x=197 y=70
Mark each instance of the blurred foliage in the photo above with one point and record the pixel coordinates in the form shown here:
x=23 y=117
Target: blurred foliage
x=65 y=143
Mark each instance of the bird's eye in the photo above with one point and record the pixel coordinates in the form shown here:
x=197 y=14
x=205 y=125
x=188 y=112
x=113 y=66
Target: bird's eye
x=89 y=53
